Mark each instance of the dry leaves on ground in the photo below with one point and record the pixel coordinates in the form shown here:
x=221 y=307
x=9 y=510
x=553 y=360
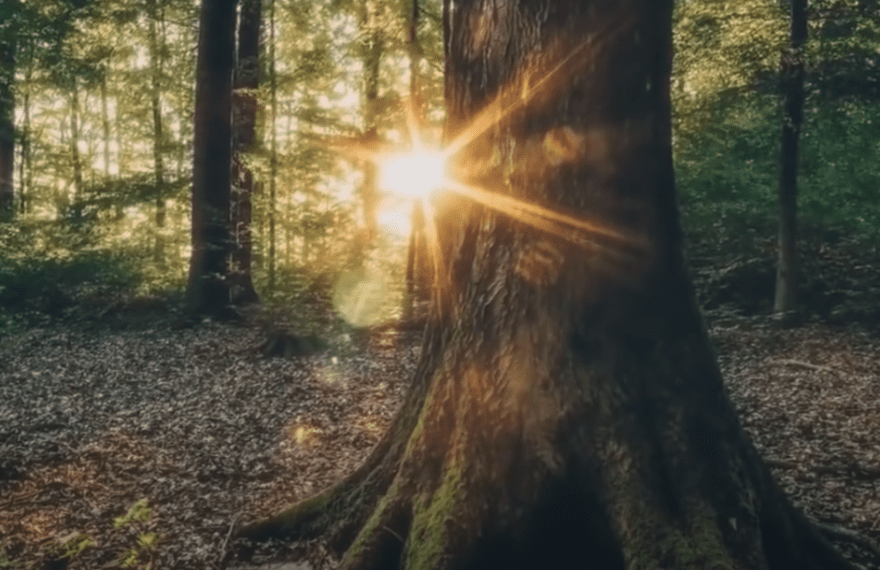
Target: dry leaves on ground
x=146 y=447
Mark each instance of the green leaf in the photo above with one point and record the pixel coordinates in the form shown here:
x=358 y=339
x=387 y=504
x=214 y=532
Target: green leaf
x=138 y=512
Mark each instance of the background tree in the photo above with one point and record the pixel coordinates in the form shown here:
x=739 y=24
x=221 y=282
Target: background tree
x=792 y=74
x=247 y=81
x=567 y=403
x=208 y=286
x=157 y=47
x=726 y=134
x=8 y=43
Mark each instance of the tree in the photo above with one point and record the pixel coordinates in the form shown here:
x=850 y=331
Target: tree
x=208 y=288
x=273 y=145
x=567 y=404
x=247 y=80
x=7 y=124
x=157 y=48
x=792 y=117
x=372 y=50
x=418 y=278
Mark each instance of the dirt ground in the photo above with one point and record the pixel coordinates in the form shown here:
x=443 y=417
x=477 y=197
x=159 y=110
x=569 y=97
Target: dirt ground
x=145 y=448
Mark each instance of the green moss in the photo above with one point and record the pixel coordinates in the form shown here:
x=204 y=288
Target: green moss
x=429 y=534
x=658 y=542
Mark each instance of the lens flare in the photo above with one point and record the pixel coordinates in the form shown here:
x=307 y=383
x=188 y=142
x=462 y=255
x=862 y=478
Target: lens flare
x=414 y=175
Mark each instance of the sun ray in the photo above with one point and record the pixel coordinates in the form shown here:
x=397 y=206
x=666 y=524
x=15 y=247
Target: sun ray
x=549 y=220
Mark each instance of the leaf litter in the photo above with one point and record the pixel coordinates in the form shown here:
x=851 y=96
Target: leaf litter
x=145 y=448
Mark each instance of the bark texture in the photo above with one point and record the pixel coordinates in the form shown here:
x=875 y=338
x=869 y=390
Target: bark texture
x=792 y=73
x=156 y=64
x=567 y=405
x=7 y=129
x=247 y=80
x=208 y=288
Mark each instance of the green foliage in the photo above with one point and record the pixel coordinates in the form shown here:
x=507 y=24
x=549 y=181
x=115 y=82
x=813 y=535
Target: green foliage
x=133 y=558
x=43 y=279
x=138 y=512
x=74 y=544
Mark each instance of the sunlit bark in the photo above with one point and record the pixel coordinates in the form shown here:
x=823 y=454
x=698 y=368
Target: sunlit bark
x=75 y=158
x=371 y=56
x=273 y=141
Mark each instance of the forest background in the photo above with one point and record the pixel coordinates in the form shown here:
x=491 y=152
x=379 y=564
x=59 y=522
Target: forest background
x=97 y=97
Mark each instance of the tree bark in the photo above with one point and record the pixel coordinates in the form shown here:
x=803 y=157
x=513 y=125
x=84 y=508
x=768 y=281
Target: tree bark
x=156 y=58
x=208 y=287
x=25 y=172
x=247 y=80
x=371 y=54
x=7 y=129
x=415 y=291
x=273 y=141
x=75 y=158
x=567 y=405
x=792 y=73
x=105 y=120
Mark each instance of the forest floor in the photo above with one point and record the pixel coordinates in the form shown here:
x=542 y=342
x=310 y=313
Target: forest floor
x=145 y=447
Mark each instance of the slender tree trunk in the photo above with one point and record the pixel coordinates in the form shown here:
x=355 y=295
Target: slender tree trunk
x=792 y=73
x=273 y=151
x=24 y=168
x=207 y=288
x=25 y=172
x=123 y=156
x=414 y=53
x=75 y=158
x=567 y=409
x=371 y=56
x=419 y=275
x=7 y=129
x=105 y=120
x=247 y=80
x=156 y=49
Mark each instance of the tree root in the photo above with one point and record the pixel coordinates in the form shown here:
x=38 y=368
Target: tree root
x=845 y=534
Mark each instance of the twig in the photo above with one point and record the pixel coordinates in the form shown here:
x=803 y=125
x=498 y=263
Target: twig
x=852 y=469
x=229 y=535
x=394 y=534
x=781 y=463
x=807 y=365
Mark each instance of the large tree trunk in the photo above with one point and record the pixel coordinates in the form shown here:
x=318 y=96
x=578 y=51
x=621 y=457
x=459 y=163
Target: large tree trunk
x=792 y=116
x=7 y=129
x=208 y=288
x=247 y=80
x=567 y=405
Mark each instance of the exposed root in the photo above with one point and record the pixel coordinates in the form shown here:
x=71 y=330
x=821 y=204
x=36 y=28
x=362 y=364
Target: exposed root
x=342 y=509
x=841 y=533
